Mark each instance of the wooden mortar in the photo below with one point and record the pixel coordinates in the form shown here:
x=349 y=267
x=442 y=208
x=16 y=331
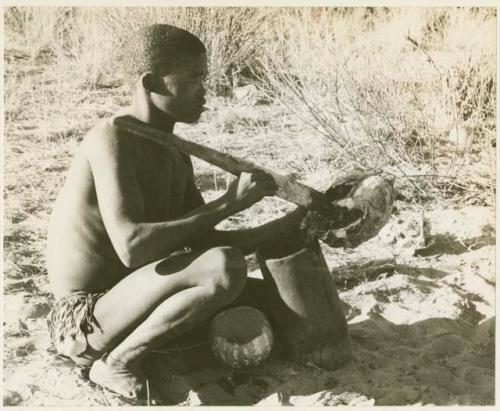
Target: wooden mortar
x=304 y=303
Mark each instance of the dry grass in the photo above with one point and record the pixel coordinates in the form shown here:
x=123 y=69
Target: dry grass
x=401 y=89
x=81 y=40
x=331 y=89
x=334 y=68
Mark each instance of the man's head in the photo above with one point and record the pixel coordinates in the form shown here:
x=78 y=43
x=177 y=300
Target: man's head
x=171 y=64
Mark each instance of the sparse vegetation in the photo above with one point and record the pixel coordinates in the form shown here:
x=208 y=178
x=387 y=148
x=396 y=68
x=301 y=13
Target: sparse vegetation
x=407 y=92
x=310 y=92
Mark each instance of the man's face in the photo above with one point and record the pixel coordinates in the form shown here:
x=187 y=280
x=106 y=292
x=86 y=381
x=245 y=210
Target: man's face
x=185 y=93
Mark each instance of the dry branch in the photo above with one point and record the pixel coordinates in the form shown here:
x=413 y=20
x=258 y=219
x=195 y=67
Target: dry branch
x=362 y=270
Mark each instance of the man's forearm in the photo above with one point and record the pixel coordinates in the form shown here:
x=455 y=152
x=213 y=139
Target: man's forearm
x=152 y=241
x=248 y=240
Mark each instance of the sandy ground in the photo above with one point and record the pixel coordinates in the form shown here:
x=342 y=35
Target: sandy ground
x=422 y=327
x=422 y=331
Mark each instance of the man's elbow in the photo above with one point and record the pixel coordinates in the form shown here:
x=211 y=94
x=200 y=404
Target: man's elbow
x=128 y=258
x=128 y=249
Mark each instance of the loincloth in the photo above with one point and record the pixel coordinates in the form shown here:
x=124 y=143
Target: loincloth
x=70 y=320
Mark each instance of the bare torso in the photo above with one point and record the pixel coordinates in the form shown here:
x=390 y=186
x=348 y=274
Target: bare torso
x=80 y=254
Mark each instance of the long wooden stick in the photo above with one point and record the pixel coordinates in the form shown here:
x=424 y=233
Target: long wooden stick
x=288 y=189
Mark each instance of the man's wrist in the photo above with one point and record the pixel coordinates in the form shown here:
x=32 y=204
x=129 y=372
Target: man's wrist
x=230 y=205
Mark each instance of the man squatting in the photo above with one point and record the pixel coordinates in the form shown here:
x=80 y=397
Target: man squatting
x=126 y=206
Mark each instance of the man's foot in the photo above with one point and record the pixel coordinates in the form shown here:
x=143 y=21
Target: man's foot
x=127 y=381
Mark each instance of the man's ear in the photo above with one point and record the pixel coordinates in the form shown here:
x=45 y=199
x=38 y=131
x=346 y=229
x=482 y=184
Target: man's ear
x=153 y=83
x=148 y=82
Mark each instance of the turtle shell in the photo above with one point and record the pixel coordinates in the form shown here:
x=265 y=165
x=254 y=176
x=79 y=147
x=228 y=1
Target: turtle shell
x=365 y=208
x=241 y=337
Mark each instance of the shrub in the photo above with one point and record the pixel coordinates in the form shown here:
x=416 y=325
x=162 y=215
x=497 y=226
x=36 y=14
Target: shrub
x=383 y=95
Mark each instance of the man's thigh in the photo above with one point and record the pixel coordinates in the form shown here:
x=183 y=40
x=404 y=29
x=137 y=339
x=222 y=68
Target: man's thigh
x=253 y=295
x=132 y=299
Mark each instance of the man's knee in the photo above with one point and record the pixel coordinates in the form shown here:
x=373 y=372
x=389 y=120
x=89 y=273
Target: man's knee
x=228 y=271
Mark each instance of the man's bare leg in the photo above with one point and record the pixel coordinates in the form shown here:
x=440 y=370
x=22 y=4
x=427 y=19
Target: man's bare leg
x=155 y=304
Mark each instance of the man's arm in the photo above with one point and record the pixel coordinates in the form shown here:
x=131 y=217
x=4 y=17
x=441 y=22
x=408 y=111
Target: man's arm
x=248 y=240
x=111 y=157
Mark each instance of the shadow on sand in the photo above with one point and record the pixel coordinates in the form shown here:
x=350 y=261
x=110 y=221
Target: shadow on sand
x=448 y=244
x=436 y=361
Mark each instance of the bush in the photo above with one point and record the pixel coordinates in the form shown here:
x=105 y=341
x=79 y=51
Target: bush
x=81 y=40
x=410 y=89
x=383 y=95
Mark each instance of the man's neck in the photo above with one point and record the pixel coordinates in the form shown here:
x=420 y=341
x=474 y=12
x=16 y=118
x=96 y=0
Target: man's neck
x=143 y=109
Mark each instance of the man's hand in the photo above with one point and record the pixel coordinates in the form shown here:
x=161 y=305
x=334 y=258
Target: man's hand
x=249 y=188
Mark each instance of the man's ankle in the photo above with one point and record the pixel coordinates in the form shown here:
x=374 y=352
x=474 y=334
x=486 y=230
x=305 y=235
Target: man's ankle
x=112 y=361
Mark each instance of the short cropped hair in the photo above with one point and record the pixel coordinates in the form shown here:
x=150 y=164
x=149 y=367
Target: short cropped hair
x=157 y=48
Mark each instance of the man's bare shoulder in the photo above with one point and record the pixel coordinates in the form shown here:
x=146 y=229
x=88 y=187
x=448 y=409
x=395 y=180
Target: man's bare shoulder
x=105 y=141
x=102 y=134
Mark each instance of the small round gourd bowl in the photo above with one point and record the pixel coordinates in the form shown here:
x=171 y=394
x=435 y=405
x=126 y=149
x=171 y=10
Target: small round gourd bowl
x=241 y=337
